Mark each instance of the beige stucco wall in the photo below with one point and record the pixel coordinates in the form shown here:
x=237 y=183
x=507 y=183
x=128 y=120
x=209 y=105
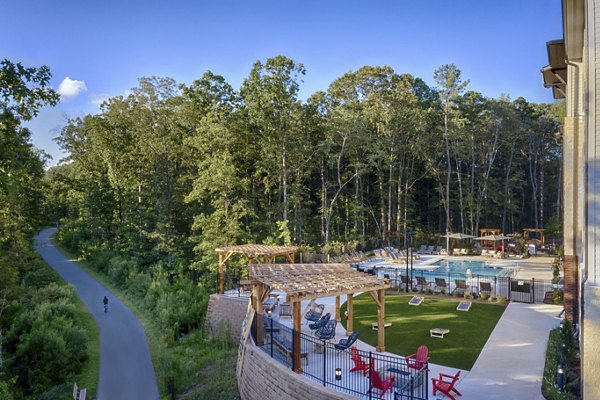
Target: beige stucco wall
x=263 y=378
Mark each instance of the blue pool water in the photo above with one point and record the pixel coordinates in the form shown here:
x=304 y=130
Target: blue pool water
x=448 y=269
x=476 y=267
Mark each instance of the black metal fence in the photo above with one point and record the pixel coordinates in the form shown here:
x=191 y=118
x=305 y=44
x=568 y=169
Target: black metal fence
x=322 y=362
x=513 y=289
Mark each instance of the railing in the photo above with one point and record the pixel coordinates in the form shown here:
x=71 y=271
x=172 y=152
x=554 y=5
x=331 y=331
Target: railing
x=322 y=362
x=235 y=285
x=518 y=290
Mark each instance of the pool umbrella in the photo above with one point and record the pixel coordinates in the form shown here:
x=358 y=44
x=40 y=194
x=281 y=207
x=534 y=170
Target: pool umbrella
x=458 y=236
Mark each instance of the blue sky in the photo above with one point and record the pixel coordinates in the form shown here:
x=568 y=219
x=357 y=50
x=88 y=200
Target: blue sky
x=103 y=47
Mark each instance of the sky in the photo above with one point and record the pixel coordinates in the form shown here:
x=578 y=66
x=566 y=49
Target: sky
x=99 y=49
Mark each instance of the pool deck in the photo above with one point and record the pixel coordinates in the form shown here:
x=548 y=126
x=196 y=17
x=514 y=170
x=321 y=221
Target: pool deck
x=533 y=267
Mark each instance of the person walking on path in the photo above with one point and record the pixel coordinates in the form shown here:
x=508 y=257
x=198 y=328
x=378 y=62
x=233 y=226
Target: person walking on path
x=126 y=371
x=105 y=302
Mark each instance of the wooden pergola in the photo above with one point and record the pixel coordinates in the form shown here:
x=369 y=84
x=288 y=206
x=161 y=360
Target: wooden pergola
x=312 y=281
x=266 y=253
x=527 y=231
x=489 y=231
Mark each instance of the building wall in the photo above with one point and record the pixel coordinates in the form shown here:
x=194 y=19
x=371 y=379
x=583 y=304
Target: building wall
x=262 y=378
x=590 y=321
x=225 y=313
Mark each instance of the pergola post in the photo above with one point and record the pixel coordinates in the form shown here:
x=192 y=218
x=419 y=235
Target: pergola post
x=257 y=295
x=380 y=320
x=350 y=311
x=221 y=277
x=337 y=308
x=296 y=336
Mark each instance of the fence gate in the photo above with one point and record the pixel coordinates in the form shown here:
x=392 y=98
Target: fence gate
x=521 y=290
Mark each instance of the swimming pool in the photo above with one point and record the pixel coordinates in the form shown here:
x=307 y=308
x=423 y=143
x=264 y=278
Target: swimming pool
x=476 y=267
x=447 y=269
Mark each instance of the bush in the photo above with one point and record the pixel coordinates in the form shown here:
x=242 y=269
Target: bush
x=562 y=348
x=484 y=296
x=500 y=299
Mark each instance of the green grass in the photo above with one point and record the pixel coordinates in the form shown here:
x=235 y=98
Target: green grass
x=90 y=370
x=469 y=331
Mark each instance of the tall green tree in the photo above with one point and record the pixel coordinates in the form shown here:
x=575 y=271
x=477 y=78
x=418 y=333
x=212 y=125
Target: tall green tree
x=450 y=88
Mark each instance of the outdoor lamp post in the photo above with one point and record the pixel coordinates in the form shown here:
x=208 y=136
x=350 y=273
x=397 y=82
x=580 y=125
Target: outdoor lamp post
x=560 y=378
x=338 y=374
x=269 y=311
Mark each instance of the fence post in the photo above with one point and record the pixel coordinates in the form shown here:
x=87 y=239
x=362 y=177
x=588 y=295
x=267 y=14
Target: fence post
x=371 y=363
x=495 y=286
x=324 y=364
x=532 y=290
x=509 y=288
x=271 y=335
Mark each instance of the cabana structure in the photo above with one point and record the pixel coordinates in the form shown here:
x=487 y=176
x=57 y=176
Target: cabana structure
x=488 y=231
x=262 y=252
x=312 y=281
x=529 y=238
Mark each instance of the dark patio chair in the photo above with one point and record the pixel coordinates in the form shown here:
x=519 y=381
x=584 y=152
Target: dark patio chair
x=485 y=287
x=460 y=286
x=440 y=284
x=315 y=312
x=344 y=344
x=327 y=331
x=422 y=282
x=320 y=323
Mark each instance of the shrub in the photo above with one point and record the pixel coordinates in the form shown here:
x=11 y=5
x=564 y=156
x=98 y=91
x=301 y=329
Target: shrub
x=562 y=348
x=500 y=299
x=484 y=296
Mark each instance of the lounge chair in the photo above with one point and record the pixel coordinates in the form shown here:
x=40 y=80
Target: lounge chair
x=320 y=323
x=383 y=385
x=345 y=344
x=460 y=286
x=437 y=250
x=445 y=384
x=327 y=331
x=422 y=282
x=315 y=312
x=429 y=250
x=360 y=365
x=422 y=249
x=440 y=284
x=485 y=287
x=418 y=359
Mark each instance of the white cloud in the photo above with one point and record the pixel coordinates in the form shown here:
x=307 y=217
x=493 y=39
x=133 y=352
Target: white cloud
x=98 y=99
x=70 y=88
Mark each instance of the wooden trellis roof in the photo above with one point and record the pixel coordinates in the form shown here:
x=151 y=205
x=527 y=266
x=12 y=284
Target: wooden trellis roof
x=257 y=250
x=310 y=281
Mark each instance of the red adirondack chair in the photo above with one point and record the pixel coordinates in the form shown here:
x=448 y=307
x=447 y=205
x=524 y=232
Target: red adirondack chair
x=446 y=386
x=359 y=363
x=417 y=360
x=382 y=384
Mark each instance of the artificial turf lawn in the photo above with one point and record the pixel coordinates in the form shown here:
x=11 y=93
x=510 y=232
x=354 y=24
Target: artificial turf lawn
x=469 y=331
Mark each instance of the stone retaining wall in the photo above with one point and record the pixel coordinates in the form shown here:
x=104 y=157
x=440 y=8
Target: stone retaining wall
x=263 y=378
x=225 y=313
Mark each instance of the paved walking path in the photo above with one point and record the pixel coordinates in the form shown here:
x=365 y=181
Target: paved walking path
x=126 y=370
x=511 y=364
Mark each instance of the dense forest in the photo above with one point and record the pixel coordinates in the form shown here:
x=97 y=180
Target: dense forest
x=159 y=178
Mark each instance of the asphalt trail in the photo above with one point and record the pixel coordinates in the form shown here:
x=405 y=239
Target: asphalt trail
x=126 y=370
